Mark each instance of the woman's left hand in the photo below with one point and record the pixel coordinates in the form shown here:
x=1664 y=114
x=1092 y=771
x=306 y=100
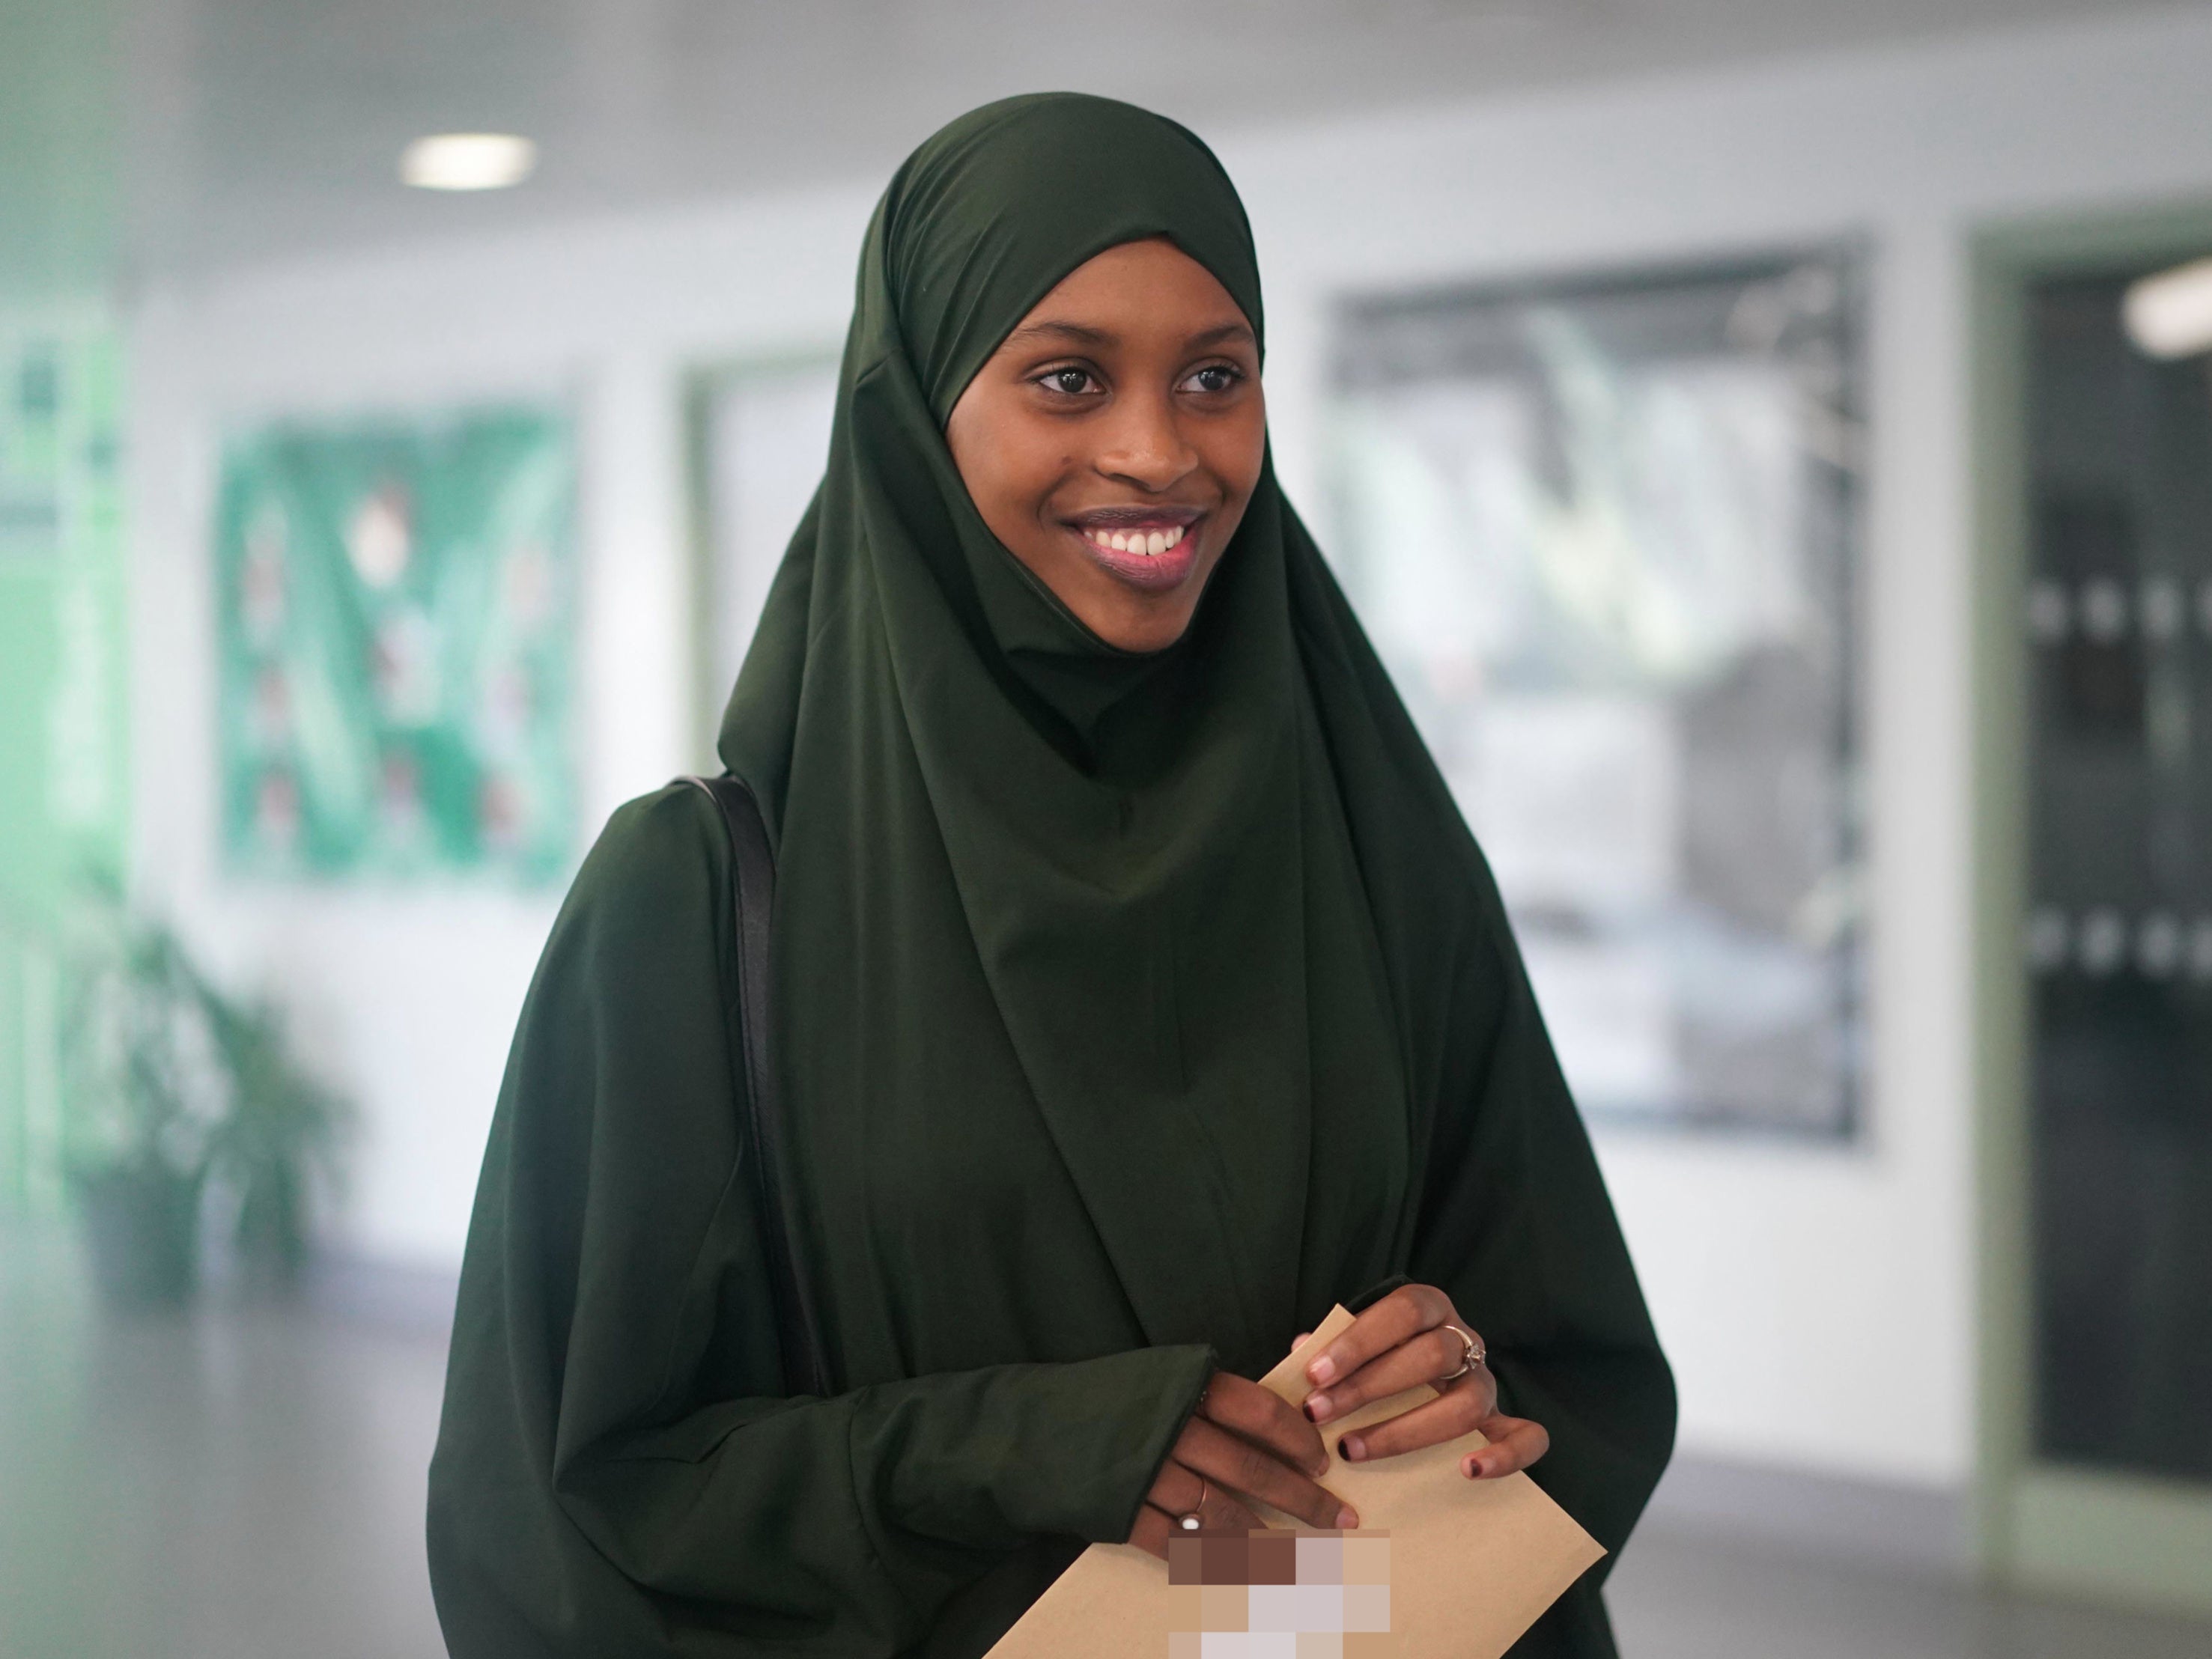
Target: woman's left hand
x=1412 y=1336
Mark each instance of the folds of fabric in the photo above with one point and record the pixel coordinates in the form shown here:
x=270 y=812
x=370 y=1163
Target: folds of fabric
x=615 y=1473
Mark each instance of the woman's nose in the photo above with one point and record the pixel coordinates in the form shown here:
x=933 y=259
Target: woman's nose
x=1146 y=446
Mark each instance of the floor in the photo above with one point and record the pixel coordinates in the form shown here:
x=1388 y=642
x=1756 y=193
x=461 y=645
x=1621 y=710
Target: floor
x=243 y=1483
x=1685 y=1597
x=246 y=1483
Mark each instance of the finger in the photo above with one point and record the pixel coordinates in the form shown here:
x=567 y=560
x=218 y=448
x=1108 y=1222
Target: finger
x=1406 y=1311
x=1303 y=1337
x=1179 y=1490
x=1460 y=1407
x=1155 y=1527
x=1152 y=1530
x=1231 y=1463
x=1222 y=1511
x=1430 y=1357
x=1515 y=1444
x=1265 y=1418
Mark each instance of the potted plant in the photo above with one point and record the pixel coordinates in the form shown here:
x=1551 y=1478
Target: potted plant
x=176 y=1091
x=281 y=1132
x=141 y=1106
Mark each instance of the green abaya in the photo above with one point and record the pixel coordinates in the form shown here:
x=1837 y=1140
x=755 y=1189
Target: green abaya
x=1131 y=1011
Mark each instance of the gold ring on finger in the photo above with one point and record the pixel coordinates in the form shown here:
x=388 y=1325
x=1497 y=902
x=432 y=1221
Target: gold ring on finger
x=1192 y=1520
x=1474 y=1354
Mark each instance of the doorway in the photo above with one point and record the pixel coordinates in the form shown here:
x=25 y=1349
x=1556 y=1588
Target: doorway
x=2094 y=878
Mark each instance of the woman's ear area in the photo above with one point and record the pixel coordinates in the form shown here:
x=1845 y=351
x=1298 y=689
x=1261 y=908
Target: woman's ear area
x=967 y=386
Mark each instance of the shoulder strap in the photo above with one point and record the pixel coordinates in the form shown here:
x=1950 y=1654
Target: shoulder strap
x=753 y=896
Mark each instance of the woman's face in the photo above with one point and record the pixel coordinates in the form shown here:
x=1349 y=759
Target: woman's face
x=1113 y=439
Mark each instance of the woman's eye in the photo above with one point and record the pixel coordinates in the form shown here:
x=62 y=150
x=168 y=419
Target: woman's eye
x=1215 y=378
x=1072 y=382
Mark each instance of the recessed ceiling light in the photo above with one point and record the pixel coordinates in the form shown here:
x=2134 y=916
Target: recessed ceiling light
x=467 y=161
x=2170 y=315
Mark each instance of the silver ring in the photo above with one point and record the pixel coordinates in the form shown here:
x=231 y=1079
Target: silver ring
x=1191 y=1521
x=1474 y=1355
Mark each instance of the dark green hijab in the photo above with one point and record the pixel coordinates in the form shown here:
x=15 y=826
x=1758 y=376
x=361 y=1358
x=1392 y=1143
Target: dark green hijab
x=1123 y=884
x=1132 y=1009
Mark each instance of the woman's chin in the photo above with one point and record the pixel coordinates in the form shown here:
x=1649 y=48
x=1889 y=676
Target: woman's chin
x=1132 y=601
x=1153 y=623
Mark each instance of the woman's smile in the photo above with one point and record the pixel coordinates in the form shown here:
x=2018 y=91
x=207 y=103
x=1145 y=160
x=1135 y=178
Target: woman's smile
x=1152 y=548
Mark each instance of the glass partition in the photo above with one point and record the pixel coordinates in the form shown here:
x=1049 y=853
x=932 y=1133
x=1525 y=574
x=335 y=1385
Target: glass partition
x=1603 y=531
x=2118 y=619
x=759 y=435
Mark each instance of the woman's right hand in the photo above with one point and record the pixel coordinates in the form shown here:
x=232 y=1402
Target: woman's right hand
x=1241 y=1443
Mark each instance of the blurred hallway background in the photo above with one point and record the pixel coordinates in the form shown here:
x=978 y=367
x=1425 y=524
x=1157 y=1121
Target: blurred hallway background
x=1771 y=444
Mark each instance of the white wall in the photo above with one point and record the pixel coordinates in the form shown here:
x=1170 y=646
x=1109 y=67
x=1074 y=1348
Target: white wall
x=408 y=995
x=1818 y=1303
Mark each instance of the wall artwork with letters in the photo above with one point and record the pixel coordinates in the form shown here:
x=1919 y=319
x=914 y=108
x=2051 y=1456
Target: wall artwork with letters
x=395 y=612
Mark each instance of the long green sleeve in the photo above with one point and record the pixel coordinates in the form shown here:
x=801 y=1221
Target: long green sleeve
x=615 y=1472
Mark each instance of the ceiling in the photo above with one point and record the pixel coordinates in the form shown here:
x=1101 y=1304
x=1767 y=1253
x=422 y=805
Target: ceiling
x=178 y=135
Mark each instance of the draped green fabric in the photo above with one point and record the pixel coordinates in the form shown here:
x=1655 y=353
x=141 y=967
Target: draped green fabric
x=1131 y=1011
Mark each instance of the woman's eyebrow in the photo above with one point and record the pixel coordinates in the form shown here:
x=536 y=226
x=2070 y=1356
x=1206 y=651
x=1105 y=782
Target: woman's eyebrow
x=1078 y=334
x=1074 y=333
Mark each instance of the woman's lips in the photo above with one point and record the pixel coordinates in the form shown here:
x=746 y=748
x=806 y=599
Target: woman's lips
x=1136 y=561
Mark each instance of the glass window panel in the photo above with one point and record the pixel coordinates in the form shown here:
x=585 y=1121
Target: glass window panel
x=1602 y=533
x=2119 y=623
x=760 y=438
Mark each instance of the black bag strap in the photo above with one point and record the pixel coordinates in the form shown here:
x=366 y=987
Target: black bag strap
x=753 y=896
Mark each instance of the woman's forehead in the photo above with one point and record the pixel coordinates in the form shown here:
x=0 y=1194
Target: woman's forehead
x=1145 y=287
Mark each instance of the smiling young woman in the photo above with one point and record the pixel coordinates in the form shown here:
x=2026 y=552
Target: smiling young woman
x=1112 y=441
x=1138 y=994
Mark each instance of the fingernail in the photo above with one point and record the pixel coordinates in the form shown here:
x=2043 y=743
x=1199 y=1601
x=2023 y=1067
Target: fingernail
x=1318 y=1406
x=1323 y=1369
x=1351 y=1449
x=1346 y=1519
x=1471 y=1466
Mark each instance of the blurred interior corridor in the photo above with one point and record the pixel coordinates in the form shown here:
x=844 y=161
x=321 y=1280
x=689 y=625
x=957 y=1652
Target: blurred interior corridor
x=1767 y=442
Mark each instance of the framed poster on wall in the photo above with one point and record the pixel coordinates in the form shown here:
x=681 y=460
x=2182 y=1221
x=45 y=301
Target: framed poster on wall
x=1604 y=532
x=395 y=600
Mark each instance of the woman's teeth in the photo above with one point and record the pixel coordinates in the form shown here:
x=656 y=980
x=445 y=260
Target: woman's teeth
x=1140 y=541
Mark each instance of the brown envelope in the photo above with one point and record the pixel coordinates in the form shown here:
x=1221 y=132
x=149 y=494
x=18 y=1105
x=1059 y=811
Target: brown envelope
x=1471 y=1563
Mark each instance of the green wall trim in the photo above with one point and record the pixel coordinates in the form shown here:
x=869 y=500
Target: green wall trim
x=2139 y=1542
